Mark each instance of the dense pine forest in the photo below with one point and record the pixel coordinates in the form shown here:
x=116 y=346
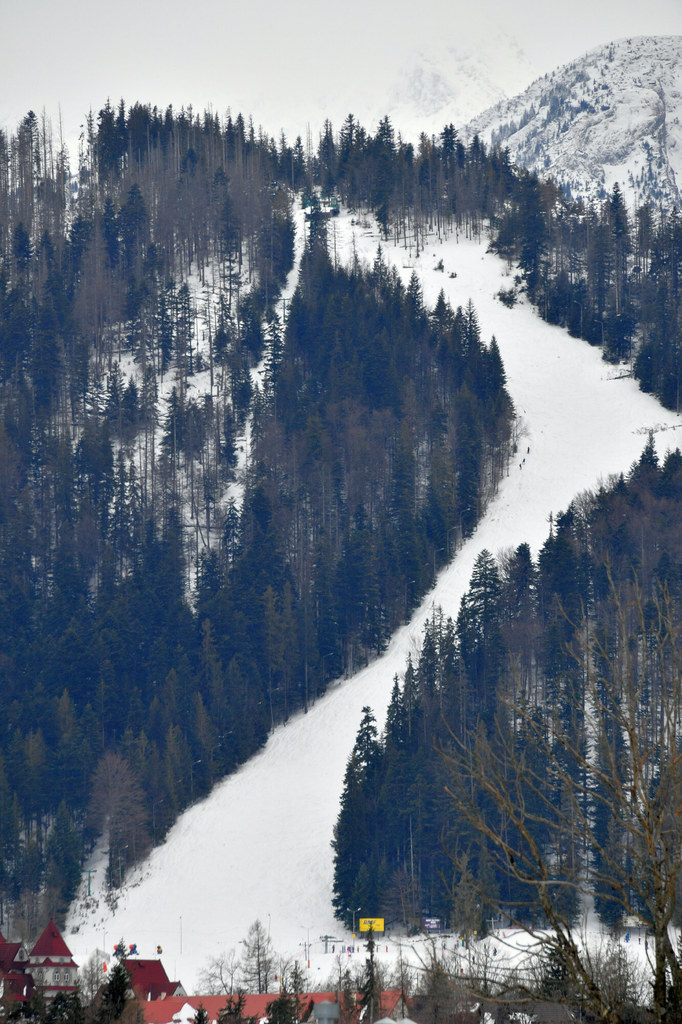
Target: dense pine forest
x=155 y=626
x=507 y=668
x=159 y=615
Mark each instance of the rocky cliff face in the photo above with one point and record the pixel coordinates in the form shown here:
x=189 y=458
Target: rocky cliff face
x=613 y=115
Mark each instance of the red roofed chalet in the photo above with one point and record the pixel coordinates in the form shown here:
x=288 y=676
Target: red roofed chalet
x=148 y=980
x=52 y=965
x=15 y=985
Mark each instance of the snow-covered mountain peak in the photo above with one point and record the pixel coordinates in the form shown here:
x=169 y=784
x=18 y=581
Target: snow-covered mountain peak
x=452 y=83
x=612 y=115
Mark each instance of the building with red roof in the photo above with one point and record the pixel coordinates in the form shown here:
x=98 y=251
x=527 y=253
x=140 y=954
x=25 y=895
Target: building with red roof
x=52 y=965
x=182 y=1010
x=49 y=966
x=148 y=980
x=16 y=985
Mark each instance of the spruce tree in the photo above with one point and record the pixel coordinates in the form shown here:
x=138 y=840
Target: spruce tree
x=115 y=993
x=370 y=993
x=201 y=1016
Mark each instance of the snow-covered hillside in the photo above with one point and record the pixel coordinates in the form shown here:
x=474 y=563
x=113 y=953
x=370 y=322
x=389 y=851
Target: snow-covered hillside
x=259 y=846
x=612 y=115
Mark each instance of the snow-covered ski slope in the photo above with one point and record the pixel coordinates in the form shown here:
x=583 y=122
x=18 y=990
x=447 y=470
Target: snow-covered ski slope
x=259 y=846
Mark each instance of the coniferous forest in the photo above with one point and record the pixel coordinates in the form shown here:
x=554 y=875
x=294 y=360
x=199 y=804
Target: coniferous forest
x=400 y=843
x=154 y=628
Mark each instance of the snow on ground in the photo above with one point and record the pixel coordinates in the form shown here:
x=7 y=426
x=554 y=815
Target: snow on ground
x=205 y=294
x=235 y=491
x=259 y=846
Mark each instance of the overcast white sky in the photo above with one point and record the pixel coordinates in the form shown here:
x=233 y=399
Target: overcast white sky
x=282 y=63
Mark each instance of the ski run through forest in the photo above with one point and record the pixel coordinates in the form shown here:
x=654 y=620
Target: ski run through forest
x=259 y=846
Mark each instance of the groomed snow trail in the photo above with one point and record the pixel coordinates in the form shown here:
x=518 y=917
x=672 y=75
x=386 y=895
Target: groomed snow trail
x=259 y=846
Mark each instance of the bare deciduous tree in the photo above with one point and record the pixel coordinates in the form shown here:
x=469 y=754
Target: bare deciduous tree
x=258 y=959
x=582 y=800
x=219 y=975
x=117 y=807
x=91 y=977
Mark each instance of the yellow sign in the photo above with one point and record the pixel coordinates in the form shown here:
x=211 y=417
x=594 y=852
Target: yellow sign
x=375 y=923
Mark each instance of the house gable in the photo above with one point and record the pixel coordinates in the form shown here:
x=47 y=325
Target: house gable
x=51 y=946
x=148 y=980
x=50 y=962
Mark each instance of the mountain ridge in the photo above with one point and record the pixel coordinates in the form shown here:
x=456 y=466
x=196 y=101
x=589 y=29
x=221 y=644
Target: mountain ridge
x=612 y=115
